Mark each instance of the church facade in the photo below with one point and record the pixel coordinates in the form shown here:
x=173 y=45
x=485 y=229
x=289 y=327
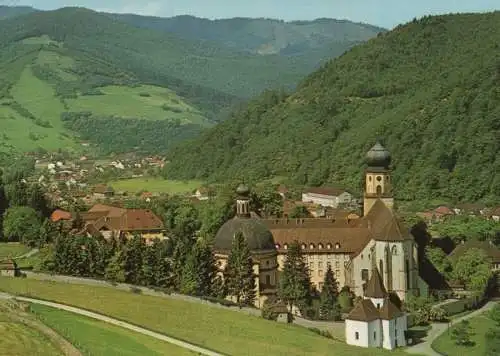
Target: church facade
x=354 y=248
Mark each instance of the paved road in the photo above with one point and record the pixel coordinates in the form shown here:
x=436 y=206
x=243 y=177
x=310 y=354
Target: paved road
x=27 y=255
x=424 y=348
x=116 y=322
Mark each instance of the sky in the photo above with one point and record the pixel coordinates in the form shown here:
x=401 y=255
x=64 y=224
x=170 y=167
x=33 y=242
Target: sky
x=385 y=13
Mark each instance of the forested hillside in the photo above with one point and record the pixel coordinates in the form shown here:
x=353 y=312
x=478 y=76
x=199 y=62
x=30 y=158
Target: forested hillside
x=430 y=89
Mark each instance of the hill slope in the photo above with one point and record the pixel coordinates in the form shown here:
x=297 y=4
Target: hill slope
x=314 y=39
x=53 y=86
x=429 y=88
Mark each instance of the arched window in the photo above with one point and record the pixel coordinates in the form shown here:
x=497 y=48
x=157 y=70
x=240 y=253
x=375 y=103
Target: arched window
x=369 y=178
x=379 y=190
x=381 y=267
x=394 y=250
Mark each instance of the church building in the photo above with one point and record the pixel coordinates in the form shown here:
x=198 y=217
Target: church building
x=354 y=248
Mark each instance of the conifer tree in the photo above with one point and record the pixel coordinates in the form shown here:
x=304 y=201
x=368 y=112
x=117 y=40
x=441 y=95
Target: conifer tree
x=329 y=308
x=295 y=285
x=133 y=254
x=115 y=271
x=239 y=276
x=148 y=264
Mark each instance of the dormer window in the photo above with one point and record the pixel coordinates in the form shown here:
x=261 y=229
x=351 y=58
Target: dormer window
x=329 y=246
x=337 y=245
x=320 y=246
x=277 y=246
x=311 y=246
x=303 y=246
x=285 y=246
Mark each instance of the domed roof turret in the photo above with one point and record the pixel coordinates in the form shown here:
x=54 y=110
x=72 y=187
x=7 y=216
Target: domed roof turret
x=243 y=190
x=378 y=156
x=257 y=235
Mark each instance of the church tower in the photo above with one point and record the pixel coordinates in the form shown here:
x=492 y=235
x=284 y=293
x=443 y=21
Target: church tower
x=378 y=183
x=243 y=201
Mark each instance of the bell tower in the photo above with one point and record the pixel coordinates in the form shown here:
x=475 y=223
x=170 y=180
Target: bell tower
x=242 y=201
x=378 y=183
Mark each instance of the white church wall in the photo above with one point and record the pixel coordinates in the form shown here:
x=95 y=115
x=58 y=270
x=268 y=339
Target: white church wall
x=389 y=330
x=401 y=328
x=375 y=333
x=357 y=333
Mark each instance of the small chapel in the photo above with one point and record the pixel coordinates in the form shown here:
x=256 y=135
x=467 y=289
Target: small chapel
x=375 y=321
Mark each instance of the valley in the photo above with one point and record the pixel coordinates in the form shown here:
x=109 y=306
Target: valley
x=248 y=186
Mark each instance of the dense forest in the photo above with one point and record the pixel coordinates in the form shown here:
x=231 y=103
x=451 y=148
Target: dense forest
x=429 y=89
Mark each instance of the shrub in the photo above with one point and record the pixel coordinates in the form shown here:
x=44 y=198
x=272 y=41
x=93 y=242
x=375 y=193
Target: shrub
x=145 y=95
x=136 y=290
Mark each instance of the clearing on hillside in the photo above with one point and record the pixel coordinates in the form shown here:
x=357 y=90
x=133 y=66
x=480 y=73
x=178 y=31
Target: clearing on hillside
x=12 y=249
x=155 y=185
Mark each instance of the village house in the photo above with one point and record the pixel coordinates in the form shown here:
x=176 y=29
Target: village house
x=351 y=247
x=375 y=321
x=495 y=214
x=491 y=251
x=110 y=221
x=103 y=191
x=203 y=193
x=331 y=197
x=9 y=268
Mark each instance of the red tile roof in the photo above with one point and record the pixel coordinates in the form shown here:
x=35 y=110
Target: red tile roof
x=59 y=214
x=334 y=192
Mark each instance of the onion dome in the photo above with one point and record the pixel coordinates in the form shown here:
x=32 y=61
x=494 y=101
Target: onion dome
x=243 y=191
x=378 y=156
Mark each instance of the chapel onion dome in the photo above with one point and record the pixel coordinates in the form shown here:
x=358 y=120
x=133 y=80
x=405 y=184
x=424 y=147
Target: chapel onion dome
x=378 y=157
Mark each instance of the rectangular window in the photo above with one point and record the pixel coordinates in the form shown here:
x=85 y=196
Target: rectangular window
x=356 y=335
x=320 y=273
x=311 y=266
x=320 y=285
x=364 y=274
x=374 y=335
x=337 y=264
x=320 y=265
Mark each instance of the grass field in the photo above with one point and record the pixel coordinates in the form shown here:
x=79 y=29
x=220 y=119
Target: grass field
x=480 y=326
x=96 y=338
x=144 y=102
x=19 y=339
x=155 y=185
x=222 y=330
x=12 y=249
